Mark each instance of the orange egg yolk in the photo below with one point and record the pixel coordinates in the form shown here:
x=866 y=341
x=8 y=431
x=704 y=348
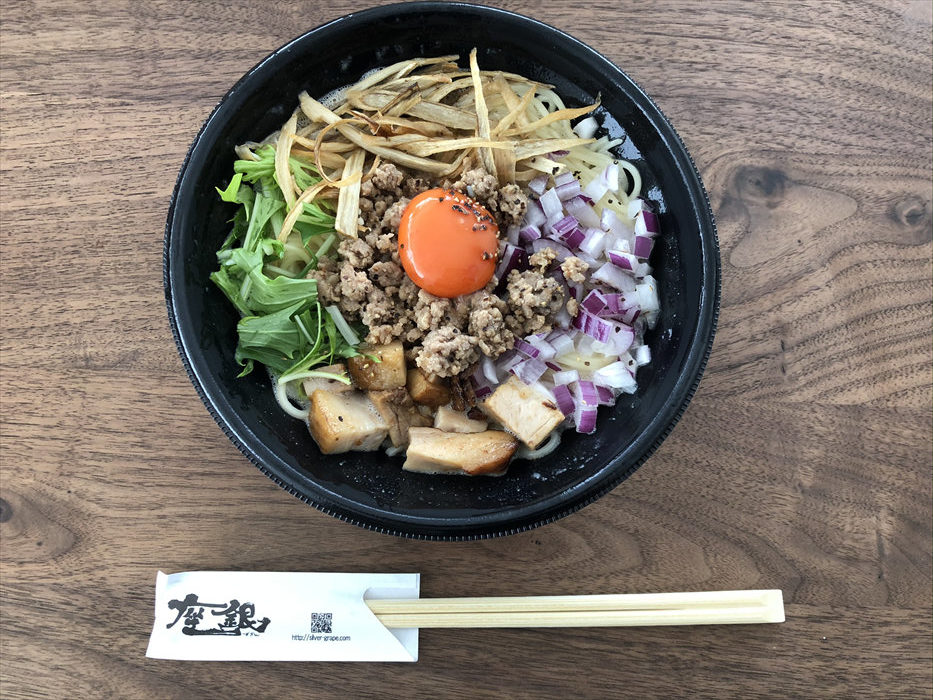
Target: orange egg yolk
x=447 y=243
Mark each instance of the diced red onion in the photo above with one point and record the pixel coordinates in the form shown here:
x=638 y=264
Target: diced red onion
x=529 y=233
x=614 y=276
x=642 y=355
x=564 y=179
x=554 y=367
x=617 y=376
x=564 y=399
x=564 y=225
x=561 y=341
x=586 y=404
x=489 y=369
x=507 y=361
x=635 y=207
x=607 y=219
x=592 y=245
x=586 y=128
x=526 y=348
x=566 y=377
x=595 y=302
x=551 y=205
x=606 y=395
x=643 y=246
x=545 y=350
x=512 y=258
x=538 y=185
x=606 y=181
x=534 y=216
x=482 y=385
x=622 y=337
x=481 y=392
x=568 y=191
x=583 y=211
x=573 y=238
x=652 y=226
x=529 y=370
x=600 y=329
x=625 y=261
x=646 y=295
x=511 y=234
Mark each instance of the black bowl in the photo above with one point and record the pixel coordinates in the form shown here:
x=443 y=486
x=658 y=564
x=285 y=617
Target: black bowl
x=370 y=489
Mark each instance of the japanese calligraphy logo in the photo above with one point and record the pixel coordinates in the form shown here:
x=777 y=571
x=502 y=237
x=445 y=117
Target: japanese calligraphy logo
x=233 y=618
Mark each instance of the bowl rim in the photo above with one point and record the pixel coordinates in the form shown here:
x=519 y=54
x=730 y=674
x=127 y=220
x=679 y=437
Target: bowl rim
x=516 y=520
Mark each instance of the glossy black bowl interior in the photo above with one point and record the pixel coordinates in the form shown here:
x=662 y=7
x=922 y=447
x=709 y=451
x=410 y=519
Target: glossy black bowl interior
x=370 y=489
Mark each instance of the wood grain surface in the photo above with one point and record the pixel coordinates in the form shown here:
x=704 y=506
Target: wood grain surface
x=803 y=463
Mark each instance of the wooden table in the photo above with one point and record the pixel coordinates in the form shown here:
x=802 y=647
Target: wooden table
x=803 y=463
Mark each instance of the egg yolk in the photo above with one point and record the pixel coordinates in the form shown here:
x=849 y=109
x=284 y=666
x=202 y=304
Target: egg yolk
x=447 y=243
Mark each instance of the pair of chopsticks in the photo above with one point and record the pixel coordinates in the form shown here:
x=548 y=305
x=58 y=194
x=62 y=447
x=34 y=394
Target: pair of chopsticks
x=623 y=610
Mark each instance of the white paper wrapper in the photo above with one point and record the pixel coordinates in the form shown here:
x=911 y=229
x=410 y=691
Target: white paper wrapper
x=256 y=616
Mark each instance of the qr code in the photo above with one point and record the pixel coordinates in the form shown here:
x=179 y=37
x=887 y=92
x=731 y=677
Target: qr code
x=321 y=622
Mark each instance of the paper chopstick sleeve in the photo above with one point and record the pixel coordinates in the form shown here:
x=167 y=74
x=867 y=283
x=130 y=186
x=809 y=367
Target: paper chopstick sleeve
x=278 y=616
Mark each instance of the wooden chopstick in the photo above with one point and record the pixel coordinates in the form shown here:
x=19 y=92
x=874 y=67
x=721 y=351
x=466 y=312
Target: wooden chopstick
x=639 y=609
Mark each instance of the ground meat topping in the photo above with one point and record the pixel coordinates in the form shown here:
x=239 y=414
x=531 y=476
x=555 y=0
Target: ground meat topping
x=532 y=298
x=542 y=259
x=357 y=252
x=446 y=352
x=444 y=337
x=387 y=273
x=487 y=323
x=574 y=269
x=387 y=177
x=512 y=205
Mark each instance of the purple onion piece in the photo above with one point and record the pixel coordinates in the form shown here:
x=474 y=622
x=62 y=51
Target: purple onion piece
x=538 y=185
x=564 y=178
x=614 y=276
x=595 y=302
x=535 y=215
x=529 y=370
x=583 y=211
x=568 y=190
x=652 y=225
x=564 y=399
x=551 y=205
x=564 y=225
x=643 y=246
x=526 y=348
x=529 y=233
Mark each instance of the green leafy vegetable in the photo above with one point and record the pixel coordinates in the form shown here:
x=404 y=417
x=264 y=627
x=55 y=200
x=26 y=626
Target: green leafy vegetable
x=283 y=325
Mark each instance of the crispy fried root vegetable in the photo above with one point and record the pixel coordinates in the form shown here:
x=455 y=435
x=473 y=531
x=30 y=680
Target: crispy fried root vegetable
x=348 y=203
x=428 y=115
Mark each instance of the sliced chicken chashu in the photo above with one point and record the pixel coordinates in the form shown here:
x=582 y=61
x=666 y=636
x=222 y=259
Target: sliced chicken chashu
x=341 y=422
x=434 y=451
x=427 y=390
x=523 y=411
x=399 y=412
x=452 y=421
x=386 y=372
